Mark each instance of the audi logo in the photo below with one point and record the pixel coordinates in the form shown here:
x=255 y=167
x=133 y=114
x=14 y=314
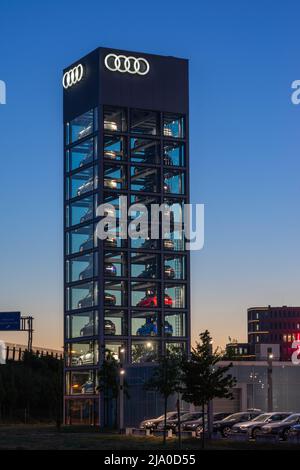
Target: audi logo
x=72 y=76
x=121 y=63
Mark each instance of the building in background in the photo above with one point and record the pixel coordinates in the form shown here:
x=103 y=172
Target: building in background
x=274 y=326
x=125 y=134
x=251 y=389
x=236 y=351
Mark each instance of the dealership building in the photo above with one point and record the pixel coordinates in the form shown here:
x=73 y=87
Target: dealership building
x=126 y=133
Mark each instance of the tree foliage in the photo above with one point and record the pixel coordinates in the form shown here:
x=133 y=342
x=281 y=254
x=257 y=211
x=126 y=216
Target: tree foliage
x=32 y=389
x=109 y=385
x=166 y=378
x=203 y=378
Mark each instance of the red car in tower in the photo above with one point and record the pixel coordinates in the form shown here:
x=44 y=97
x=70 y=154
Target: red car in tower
x=151 y=301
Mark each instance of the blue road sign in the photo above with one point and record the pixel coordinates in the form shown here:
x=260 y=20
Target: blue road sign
x=10 y=321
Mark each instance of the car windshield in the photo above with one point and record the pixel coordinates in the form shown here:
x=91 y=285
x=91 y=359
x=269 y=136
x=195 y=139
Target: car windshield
x=234 y=416
x=291 y=419
x=261 y=418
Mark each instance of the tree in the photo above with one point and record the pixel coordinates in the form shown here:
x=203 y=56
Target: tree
x=203 y=379
x=109 y=384
x=32 y=388
x=166 y=379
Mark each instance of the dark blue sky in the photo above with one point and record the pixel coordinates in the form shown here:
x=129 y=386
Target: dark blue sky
x=244 y=146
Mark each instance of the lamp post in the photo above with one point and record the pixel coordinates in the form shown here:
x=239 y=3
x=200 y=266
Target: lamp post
x=253 y=376
x=270 y=381
x=121 y=388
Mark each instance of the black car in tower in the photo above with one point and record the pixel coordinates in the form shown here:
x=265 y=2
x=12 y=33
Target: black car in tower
x=282 y=428
x=151 y=272
x=89 y=328
x=224 y=426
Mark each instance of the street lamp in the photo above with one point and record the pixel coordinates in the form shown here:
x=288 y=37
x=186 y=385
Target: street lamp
x=253 y=376
x=270 y=380
x=121 y=388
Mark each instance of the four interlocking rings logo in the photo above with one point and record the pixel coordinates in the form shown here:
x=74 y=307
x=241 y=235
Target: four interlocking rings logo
x=73 y=76
x=121 y=63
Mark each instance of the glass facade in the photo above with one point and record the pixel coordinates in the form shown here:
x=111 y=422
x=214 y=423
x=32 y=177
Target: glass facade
x=129 y=294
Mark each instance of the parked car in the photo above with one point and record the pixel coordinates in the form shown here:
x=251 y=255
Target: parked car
x=168 y=328
x=87 y=272
x=87 y=387
x=197 y=426
x=224 y=426
x=152 y=423
x=151 y=301
x=193 y=424
x=110 y=183
x=149 y=243
x=110 y=269
x=253 y=427
x=87 y=244
x=87 y=186
x=110 y=242
x=88 y=158
x=109 y=327
x=87 y=216
x=110 y=126
x=220 y=416
x=150 y=272
x=173 y=423
x=85 y=131
x=109 y=299
x=169 y=272
x=294 y=431
x=168 y=244
x=282 y=428
x=88 y=329
x=86 y=358
x=111 y=154
x=86 y=301
x=150 y=328
x=150 y=186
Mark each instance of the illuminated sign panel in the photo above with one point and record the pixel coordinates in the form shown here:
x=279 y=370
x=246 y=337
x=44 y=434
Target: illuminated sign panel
x=73 y=76
x=10 y=321
x=121 y=63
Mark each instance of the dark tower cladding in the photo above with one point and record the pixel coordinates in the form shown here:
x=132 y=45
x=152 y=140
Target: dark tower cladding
x=126 y=133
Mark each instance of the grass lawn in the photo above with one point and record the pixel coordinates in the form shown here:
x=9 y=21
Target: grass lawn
x=38 y=437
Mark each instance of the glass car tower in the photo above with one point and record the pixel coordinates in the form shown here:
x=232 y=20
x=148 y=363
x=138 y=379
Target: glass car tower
x=125 y=134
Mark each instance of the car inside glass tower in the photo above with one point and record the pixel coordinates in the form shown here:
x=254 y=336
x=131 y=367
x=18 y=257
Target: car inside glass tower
x=124 y=297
